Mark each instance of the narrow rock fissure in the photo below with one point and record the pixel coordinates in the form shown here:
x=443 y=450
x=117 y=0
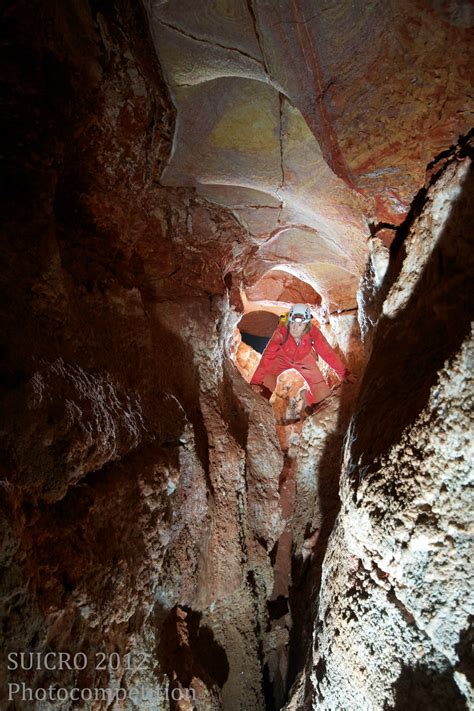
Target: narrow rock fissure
x=281 y=132
x=258 y=37
x=210 y=42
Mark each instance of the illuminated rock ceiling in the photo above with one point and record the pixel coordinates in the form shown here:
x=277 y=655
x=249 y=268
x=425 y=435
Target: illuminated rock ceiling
x=311 y=120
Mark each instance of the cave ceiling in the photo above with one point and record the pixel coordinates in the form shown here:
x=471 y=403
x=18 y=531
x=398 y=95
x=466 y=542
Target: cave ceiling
x=311 y=120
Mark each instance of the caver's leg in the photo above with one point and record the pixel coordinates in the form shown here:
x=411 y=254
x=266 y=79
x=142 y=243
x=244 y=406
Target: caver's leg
x=318 y=389
x=264 y=369
x=267 y=373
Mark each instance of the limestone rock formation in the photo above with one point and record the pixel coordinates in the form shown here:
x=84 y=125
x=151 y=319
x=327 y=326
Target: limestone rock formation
x=122 y=474
x=395 y=604
x=175 y=172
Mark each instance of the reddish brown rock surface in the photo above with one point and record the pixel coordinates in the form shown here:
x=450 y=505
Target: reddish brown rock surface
x=394 y=609
x=309 y=122
x=151 y=504
x=125 y=445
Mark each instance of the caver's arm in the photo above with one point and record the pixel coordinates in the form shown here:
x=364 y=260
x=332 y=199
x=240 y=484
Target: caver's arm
x=327 y=353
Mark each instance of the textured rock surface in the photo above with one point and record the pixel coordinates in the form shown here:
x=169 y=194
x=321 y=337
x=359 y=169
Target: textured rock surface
x=244 y=144
x=308 y=121
x=278 y=285
x=395 y=604
x=139 y=496
x=150 y=503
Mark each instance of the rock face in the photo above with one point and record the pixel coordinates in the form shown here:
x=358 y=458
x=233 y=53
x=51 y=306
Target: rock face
x=138 y=502
x=173 y=171
x=310 y=121
x=395 y=606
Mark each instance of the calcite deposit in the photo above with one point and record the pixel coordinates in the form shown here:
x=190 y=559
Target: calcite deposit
x=176 y=175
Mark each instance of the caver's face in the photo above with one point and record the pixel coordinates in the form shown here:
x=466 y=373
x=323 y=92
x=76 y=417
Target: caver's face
x=297 y=328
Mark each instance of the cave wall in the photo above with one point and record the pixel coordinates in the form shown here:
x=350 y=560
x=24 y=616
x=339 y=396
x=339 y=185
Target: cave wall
x=313 y=121
x=393 y=611
x=139 y=498
x=150 y=505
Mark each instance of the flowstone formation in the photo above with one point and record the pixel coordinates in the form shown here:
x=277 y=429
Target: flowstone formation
x=177 y=172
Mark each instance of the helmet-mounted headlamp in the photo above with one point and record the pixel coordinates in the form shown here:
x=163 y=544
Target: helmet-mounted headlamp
x=299 y=313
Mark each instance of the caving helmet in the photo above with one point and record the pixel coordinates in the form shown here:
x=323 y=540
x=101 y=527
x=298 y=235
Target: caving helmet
x=299 y=313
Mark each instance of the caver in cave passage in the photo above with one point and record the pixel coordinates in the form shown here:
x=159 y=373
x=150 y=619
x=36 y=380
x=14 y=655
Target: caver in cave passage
x=296 y=343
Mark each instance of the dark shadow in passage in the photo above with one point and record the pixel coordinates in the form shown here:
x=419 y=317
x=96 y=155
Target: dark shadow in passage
x=258 y=343
x=188 y=651
x=178 y=374
x=420 y=688
x=465 y=652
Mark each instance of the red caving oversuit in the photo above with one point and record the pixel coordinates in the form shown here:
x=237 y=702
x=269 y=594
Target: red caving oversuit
x=279 y=356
